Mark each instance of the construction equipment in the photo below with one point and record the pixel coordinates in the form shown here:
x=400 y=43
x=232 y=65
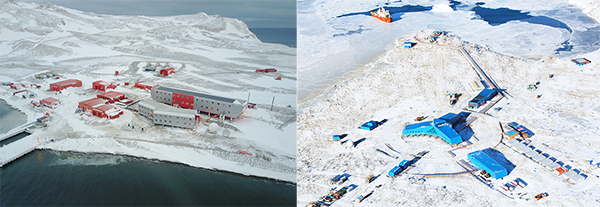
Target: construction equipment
x=420 y=118
x=371 y=178
x=454 y=98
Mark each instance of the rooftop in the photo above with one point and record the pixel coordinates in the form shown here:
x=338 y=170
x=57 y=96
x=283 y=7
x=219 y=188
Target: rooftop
x=111 y=94
x=198 y=94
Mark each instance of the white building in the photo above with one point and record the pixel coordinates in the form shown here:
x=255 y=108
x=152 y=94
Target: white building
x=165 y=115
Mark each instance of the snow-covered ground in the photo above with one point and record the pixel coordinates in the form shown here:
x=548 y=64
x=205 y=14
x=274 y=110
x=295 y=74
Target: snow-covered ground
x=211 y=54
x=331 y=46
x=402 y=84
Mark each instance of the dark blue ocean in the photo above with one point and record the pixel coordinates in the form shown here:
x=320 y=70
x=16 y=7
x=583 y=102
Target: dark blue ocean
x=285 y=36
x=51 y=178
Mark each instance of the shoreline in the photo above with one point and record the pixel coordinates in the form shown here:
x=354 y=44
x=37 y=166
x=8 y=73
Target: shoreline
x=170 y=162
x=170 y=155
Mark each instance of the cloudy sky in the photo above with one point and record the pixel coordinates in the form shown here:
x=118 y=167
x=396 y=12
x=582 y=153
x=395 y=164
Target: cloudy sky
x=255 y=13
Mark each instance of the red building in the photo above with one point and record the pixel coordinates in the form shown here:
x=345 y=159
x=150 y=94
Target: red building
x=91 y=103
x=103 y=85
x=17 y=86
x=167 y=71
x=65 y=84
x=99 y=108
x=144 y=85
x=112 y=96
x=50 y=102
x=106 y=111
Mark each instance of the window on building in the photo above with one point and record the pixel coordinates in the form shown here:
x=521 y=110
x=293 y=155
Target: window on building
x=218 y=103
x=213 y=102
x=230 y=105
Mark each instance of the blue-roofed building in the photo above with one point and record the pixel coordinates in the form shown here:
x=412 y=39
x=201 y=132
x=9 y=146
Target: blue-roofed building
x=370 y=125
x=485 y=162
x=442 y=127
x=408 y=45
x=482 y=98
x=581 y=61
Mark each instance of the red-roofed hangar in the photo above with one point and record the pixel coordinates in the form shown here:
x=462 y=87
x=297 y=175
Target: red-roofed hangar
x=65 y=84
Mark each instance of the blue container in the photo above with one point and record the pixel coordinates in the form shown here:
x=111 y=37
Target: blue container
x=336 y=137
x=404 y=164
x=394 y=171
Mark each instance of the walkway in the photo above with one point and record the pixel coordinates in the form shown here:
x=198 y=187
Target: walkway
x=16 y=131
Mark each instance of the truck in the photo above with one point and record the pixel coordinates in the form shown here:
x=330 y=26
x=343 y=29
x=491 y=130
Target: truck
x=482 y=98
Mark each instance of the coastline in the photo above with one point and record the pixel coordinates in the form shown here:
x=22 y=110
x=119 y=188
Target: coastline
x=164 y=153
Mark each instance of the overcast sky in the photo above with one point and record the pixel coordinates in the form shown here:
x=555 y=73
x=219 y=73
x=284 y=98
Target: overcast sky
x=255 y=13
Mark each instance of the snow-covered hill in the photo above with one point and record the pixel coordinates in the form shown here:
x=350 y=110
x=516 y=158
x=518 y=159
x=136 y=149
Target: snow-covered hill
x=211 y=54
x=403 y=84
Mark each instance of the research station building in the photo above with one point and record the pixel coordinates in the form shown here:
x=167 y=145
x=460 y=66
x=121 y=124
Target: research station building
x=229 y=107
x=165 y=115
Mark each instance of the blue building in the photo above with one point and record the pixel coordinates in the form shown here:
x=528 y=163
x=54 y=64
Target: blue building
x=442 y=127
x=408 y=45
x=486 y=162
x=370 y=125
x=482 y=98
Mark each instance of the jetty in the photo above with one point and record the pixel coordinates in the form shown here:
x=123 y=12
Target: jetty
x=16 y=149
x=16 y=131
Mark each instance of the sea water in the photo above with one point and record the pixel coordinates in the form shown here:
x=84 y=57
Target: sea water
x=285 y=36
x=51 y=178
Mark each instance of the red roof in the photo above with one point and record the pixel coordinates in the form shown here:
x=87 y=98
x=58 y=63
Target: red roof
x=110 y=95
x=50 y=100
x=68 y=82
x=91 y=103
x=104 y=108
x=64 y=84
x=100 y=82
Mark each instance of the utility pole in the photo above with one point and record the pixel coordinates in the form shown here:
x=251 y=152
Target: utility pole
x=272 y=103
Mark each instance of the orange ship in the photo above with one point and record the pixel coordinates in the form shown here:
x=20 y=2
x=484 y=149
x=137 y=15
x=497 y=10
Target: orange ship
x=382 y=14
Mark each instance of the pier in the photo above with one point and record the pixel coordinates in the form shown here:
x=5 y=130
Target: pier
x=13 y=151
x=15 y=131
